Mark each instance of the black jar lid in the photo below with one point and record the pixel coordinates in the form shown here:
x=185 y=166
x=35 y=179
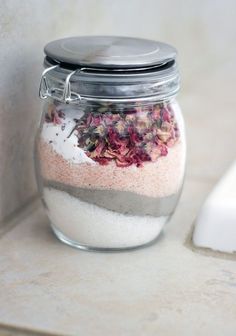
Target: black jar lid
x=109 y=52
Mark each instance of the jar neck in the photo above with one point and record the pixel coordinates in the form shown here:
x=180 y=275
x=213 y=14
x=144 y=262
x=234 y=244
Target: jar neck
x=84 y=84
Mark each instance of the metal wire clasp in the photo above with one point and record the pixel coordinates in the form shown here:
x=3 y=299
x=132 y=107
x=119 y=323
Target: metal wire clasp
x=43 y=86
x=67 y=96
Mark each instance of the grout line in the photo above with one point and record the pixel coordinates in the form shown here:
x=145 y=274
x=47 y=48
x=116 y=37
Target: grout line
x=7 y=330
x=20 y=214
x=205 y=251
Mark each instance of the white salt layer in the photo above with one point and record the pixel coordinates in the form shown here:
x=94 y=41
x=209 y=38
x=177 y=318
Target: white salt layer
x=90 y=225
x=63 y=141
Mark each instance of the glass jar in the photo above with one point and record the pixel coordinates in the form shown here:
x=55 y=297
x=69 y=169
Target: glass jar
x=110 y=150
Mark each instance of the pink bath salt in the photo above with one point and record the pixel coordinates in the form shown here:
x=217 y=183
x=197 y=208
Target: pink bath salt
x=155 y=179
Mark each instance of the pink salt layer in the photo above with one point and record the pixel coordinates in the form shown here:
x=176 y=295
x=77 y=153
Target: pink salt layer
x=154 y=179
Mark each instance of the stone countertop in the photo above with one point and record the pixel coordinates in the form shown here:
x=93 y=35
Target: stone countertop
x=165 y=289
x=168 y=288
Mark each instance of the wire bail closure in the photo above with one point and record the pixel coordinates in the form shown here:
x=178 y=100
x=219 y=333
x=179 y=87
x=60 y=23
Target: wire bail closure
x=64 y=93
x=67 y=95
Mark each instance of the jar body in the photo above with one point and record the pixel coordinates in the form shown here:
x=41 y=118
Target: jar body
x=110 y=174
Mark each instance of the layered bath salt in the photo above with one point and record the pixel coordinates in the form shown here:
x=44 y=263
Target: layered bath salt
x=94 y=226
x=111 y=180
x=110 y=150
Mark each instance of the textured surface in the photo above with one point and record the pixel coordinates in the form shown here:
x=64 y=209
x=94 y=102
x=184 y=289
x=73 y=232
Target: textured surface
x=201 y=38
x=167 y=289
x=164 y=289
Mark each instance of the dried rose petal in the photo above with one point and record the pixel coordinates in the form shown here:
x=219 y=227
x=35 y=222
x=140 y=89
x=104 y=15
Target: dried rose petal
x=155 y=153
x=99 y=148
x=56 y=119
x=156 y=113
x=162 y=135
x=165 y=115
x=132 y=137
x=95 y=121
x=124 y=163
x=163 y=149
x=130 y=118
x=102 y=161
x=100 y=130
x=88 y=120
x=120 y=126
x=109 y=154
x=171 y=142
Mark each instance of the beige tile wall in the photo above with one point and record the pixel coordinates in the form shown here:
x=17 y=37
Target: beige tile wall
x=203 y=31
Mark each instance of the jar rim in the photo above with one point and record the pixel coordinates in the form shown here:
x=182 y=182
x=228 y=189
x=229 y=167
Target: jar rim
x=159 y=79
